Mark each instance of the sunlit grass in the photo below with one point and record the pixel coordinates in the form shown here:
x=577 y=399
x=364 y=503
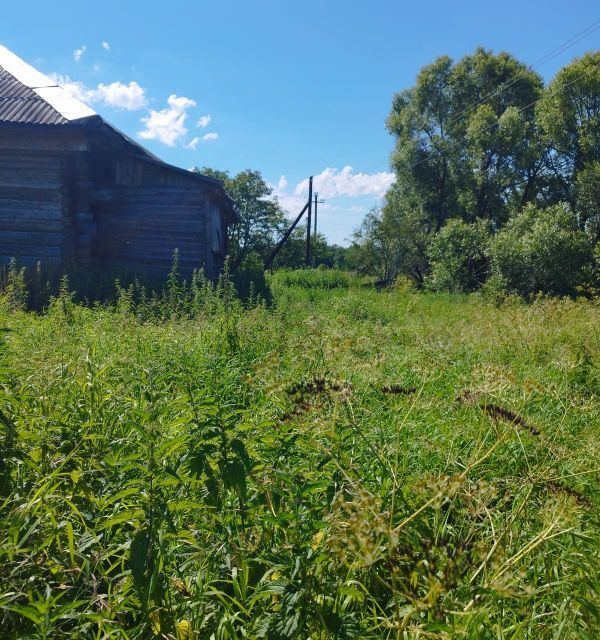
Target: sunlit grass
x=343 y=464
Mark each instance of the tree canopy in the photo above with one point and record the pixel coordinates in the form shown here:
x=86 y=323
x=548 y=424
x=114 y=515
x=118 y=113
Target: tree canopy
x=477 y=142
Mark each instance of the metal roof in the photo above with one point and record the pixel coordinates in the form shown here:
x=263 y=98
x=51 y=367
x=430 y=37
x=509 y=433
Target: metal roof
x=21 y=104
x=29 y=97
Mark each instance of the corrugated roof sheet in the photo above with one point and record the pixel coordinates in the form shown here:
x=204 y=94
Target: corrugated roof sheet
x=21 y=104
x=28 y=96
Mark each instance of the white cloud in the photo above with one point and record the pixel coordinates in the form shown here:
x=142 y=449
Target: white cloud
x=76 y=89
x=168 y=125
x=332 y=183
x=289 y=201
x=194 y=142
x=117 y=95
x=106 y=46
x=78 y=53
x=282 y=184
x=130 y=97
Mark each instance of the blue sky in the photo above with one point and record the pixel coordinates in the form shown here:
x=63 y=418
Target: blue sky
x=290 y=89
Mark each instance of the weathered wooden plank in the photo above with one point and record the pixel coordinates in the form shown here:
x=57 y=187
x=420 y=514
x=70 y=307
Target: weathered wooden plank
x=31 y=193
x=83 y=216
x=30 y=261
x=21 y=249
x=29 y=182
x=13 y=204
x=62 y=140
x=152 y=245
x=154 y=208
x=33 y=238
x=33 y=216
x=173 y=225
x=19 y=224
x=151 y=195
x=131 y=228
x=161 y=265
x=153 y=253
x=18 y=162
x=150 y=238
x=31 y=174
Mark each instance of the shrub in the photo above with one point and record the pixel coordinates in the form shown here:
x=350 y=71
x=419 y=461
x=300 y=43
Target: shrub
x=458 y=257
x=542 y=250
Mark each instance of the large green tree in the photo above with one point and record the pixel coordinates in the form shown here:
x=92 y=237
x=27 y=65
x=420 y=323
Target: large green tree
x=467 y=147
x=569 y=115
x=494 y=133
x=423 y=157
x=466 y=139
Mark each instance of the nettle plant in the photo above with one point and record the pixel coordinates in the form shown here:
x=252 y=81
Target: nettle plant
x=196 y=462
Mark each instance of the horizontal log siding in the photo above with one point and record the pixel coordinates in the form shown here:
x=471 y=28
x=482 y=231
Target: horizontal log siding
x=133 y=172
x=140 y=229
x=33 y=211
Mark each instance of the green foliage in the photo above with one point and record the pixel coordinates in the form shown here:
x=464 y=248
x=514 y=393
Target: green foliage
x=457 y=155
x=458 y=255
x=13 y=283
x=377 y=249
x=343 y=464
x=293 y=252
x=570 y=117
x=587 y=197
x=250 y=280
x=478 y=140
x=542 y=250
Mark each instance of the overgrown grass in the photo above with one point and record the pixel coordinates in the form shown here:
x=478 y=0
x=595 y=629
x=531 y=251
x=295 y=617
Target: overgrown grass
x=314 y=279
x=343 y=464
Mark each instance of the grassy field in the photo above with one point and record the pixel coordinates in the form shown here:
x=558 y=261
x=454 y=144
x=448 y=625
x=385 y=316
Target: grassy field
x=344 y=464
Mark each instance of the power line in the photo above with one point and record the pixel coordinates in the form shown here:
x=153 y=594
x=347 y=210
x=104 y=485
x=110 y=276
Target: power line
x=495 y=124
x=543 y=60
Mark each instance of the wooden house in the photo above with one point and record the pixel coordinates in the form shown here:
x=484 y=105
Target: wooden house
x=75 y=190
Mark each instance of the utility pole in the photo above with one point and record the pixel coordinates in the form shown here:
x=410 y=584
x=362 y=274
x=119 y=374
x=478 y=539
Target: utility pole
x=317 y=203
x=309 y=221
x=288 y=233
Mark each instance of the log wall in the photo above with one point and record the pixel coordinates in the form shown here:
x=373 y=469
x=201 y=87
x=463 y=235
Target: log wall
x=65 y=198
x=36 y=216
x=140 y=229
